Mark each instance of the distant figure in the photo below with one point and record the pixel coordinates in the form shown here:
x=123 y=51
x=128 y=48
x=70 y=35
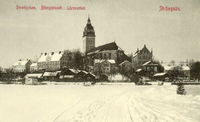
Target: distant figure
x=181 y=90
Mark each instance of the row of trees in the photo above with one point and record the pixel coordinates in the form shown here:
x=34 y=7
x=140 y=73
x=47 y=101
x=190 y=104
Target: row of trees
x=195 y=71
x=177 y=72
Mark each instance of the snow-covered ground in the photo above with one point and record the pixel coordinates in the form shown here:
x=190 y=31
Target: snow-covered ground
x=120 y=102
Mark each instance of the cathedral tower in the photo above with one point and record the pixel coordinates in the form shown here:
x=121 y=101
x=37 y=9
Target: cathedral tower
x=88 y=37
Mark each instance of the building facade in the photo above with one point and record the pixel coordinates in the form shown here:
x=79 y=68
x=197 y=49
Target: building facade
x=50 y=61
x=22 y=66
x=33 y=67
x=104 y=66
x=125 y=66
x=141 y=56
x=109 y=51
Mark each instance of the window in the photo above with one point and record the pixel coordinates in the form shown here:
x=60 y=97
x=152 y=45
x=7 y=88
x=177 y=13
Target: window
x=105 y=56
x=100 y=55
x=109 y=55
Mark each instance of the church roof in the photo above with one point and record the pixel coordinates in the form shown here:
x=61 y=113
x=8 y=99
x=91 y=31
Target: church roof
x=109 y=46
x=53 y=56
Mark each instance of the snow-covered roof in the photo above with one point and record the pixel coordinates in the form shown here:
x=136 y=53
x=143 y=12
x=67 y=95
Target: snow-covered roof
x=85 y=72
x=43 y=57
x=112 y=61
x=51 y=73
x=33 y=64
x=138 y=70
x=135 y=55
x=168 y=67
x=93 y=52
x=74 y=71
x=159 y=74
x=98 y=61
x=146 y=63
x=56 y=56
x=90 y=74
x=125 y=61
x=20 y=62
x=38 y=75
x=53 y=56
x=185 y=68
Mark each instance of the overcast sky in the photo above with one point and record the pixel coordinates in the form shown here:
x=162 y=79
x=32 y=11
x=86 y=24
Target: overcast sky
x=131 y=23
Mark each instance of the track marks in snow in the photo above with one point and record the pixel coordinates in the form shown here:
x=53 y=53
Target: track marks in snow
x=135 y=104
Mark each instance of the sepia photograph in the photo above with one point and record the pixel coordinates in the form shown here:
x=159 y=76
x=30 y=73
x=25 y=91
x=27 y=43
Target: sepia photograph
x=99 y=61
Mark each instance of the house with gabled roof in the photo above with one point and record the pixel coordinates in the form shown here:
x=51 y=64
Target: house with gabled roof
x=50 y=61
x=22 y=66
x=104 y=66
x=141 y=56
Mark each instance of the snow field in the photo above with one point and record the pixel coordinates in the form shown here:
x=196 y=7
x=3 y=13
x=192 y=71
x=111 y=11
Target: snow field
x=99 y=103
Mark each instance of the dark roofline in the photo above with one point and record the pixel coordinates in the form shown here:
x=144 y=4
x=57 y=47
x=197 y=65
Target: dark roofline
x=104 y=47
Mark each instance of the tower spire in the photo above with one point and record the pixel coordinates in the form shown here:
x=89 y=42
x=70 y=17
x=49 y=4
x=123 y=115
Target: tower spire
x=88 y=36
x=88 y=21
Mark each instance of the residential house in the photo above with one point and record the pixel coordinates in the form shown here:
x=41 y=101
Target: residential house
x=104 y=66
x=150 y=68
x=186 y=71
x=22 y=66
x=33 y=67
x=125 y=66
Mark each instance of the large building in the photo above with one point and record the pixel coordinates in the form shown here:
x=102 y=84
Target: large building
x=50 y=61
x=141 y=57
x=55 y=61
x=88 y=37
x=110 y=51
x=22 y=66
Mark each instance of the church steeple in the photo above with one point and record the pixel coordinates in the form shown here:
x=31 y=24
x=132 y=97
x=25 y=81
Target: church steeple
x=88 y=36
x=89 y=30
x=88 y=21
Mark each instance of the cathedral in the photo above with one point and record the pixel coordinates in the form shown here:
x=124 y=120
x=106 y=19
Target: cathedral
x=110 y=52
